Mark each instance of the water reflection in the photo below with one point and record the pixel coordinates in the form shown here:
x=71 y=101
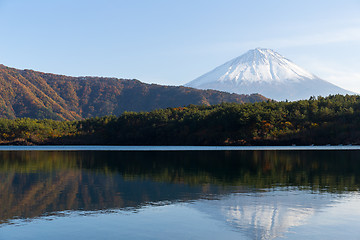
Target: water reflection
x=265 y=215
x=242 y=187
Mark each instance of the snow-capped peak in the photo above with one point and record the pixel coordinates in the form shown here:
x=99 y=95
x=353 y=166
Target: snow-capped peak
x=266 y=72
x=257 y=65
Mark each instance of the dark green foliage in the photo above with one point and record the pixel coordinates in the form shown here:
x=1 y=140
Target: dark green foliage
x=26 y=130
x=330 y=120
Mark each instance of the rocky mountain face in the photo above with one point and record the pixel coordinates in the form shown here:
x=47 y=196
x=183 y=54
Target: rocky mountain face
x=27 y=93
x=268 y=73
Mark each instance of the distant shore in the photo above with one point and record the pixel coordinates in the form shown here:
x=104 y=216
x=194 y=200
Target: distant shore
x=334 y=120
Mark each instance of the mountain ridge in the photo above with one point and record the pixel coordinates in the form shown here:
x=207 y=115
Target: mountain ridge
x=29 y=93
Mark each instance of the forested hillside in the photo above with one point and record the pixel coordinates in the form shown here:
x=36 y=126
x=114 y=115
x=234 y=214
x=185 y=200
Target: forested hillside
x=27 y=93
x=331 y=120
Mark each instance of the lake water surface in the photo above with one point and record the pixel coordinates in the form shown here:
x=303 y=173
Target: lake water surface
x=175 y=193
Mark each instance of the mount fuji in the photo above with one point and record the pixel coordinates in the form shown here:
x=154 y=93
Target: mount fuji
x=266 y=72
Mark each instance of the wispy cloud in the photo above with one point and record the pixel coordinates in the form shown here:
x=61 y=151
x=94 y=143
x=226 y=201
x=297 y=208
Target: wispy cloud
x=338 y=75
x=349 y=35
x=347 y=80
x=341 y=36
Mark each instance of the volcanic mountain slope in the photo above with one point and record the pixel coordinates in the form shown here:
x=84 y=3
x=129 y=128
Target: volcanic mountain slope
x=268 y=73
x=27 y=93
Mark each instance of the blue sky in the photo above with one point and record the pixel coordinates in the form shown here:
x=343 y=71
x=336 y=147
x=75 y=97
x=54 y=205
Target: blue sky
x=173 y=42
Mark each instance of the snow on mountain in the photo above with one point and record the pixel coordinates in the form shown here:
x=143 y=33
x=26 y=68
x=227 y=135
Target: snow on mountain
x=268 y=73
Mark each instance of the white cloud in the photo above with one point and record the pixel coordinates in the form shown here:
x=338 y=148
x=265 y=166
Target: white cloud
x=344 y=79
x=341 y=76
x=349 y=35
x=340 y=36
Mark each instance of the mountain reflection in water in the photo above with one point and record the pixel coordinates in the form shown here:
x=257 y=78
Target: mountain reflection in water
x=230 y=185
x=265 y=215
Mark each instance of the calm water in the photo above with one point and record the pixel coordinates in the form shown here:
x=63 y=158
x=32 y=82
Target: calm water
x=178 y=194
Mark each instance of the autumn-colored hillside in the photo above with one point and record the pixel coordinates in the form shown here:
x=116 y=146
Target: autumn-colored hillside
x=27 y=93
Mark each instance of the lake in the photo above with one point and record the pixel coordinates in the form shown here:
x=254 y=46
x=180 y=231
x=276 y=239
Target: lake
x=179 y=192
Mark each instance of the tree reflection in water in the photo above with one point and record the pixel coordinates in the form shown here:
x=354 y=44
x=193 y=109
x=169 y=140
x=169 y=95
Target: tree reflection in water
x=34 y=183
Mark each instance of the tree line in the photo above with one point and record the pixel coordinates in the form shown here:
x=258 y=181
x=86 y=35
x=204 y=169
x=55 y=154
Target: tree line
x=322 y=120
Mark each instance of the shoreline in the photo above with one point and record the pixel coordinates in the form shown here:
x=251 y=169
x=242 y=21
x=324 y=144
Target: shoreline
x=173 y=148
